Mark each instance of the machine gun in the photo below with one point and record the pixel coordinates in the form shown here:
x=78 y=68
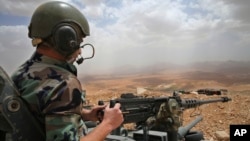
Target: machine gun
x=159 y=113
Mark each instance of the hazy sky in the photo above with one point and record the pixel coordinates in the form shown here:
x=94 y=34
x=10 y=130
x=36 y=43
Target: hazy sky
x=140 y=32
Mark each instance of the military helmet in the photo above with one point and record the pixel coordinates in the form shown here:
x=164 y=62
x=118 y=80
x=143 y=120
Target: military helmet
x=62 y=22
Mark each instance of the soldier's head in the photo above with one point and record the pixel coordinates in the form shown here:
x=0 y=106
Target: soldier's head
x=60 y=26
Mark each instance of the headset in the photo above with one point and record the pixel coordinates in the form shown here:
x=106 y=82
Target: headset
x=66 y=38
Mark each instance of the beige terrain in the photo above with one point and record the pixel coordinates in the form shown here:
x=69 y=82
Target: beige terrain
x=216 y=116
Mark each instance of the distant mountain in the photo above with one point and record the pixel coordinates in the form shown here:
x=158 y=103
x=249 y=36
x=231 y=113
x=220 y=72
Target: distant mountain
x=215 y=69
x=227 y=67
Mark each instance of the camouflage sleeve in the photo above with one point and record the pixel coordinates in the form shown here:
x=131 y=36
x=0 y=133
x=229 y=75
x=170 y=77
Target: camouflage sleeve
x=62 y=112
x=64 y=128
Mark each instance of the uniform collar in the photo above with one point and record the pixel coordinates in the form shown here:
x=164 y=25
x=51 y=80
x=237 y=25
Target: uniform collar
x=40 y=58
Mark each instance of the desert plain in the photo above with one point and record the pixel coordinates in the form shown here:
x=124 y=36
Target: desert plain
x=231 y=76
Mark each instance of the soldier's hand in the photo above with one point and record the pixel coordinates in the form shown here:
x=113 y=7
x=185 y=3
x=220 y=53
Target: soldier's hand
x=92 y=114
x=113 y=116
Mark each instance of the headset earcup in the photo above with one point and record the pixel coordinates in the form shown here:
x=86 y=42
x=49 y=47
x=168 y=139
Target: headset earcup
x=65 y=39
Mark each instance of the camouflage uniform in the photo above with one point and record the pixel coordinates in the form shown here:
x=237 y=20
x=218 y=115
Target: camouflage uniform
x=54 y=95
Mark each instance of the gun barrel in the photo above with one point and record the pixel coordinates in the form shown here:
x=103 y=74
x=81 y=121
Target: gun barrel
x=182 y=131
x=192 y=103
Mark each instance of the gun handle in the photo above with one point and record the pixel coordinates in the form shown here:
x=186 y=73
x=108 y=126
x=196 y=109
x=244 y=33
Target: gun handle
x=100 y=102
x=100 y=113
x=112 y=103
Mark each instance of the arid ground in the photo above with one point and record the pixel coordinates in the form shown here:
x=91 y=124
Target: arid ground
x=216 y=116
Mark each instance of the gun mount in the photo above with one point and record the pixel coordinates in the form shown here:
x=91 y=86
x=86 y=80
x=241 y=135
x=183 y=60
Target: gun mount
x=183 y=131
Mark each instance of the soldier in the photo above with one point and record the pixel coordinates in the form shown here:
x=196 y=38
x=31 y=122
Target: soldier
x=48 y=80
